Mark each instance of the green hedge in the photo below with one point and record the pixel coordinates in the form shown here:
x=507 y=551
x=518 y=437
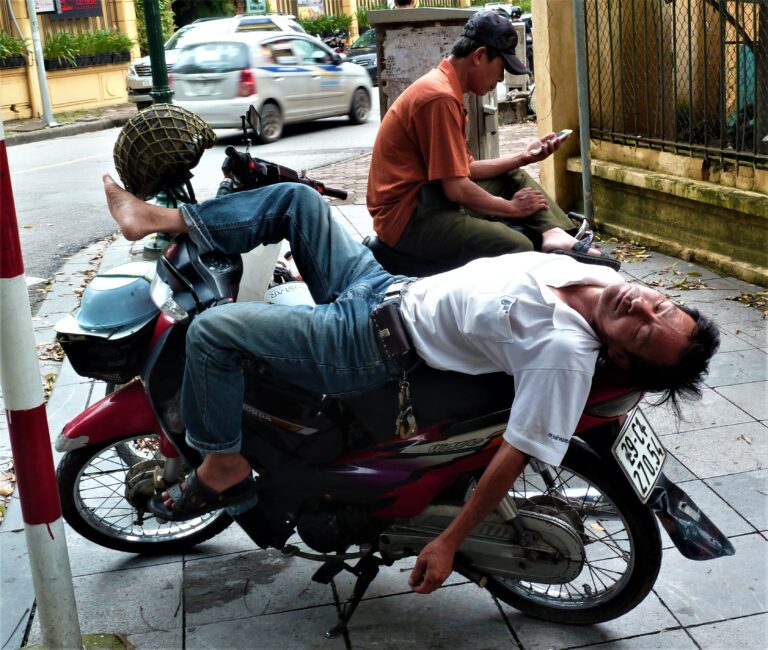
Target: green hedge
x=166 y=23
x=323 y=25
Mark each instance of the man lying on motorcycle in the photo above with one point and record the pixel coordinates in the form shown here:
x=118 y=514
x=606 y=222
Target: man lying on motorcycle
x=539 y=317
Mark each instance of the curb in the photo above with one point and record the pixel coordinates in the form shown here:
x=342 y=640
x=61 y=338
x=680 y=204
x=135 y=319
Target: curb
x=46 y=133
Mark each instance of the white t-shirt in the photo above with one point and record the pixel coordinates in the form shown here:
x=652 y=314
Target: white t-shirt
x=498 y=315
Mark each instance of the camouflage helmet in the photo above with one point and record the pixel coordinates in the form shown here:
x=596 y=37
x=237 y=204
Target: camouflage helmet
x=157 y=148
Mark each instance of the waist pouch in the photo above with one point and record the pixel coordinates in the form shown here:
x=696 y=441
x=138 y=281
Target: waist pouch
x=394 y=342
x=432 y=195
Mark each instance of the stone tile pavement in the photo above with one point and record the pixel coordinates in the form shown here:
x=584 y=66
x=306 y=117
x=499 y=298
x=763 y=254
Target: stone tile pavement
x=228 y=594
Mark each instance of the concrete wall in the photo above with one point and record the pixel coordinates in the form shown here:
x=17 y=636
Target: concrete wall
x=685 y=206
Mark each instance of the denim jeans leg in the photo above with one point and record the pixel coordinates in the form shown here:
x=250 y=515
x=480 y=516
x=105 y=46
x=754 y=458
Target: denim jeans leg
x=326 y=349
x=328 y=258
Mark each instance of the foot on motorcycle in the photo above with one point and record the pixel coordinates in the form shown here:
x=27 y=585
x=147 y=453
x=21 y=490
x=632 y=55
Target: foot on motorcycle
x=197 y=499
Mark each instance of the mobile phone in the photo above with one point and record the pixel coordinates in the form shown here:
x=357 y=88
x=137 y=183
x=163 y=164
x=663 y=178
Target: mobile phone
x=559 y=136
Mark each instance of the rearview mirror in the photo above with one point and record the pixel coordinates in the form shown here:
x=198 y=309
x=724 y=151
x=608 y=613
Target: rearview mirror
x=254 y=119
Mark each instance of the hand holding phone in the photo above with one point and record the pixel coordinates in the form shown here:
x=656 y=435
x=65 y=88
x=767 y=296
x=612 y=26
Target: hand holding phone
x=560 y=136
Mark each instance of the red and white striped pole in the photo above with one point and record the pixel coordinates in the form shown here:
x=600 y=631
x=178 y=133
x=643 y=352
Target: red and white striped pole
x=30 y=439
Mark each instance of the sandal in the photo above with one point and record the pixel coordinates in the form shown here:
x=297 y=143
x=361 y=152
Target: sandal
x=197 y=499
x=580 y=252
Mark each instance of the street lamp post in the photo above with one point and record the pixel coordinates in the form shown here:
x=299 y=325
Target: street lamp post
x=161 y=92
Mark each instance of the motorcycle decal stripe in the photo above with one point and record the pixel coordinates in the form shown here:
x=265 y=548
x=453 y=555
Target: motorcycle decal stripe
x=11 y=263
x=32 y=458
x=277 y=422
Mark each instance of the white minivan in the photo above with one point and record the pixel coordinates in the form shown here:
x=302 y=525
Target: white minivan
x=138 y=81
x=288 y=77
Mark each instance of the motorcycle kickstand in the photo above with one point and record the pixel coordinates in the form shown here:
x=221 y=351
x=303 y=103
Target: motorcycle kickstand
x=365 y=570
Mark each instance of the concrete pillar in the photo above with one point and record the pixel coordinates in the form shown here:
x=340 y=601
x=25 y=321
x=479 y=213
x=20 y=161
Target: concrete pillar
x=349 y=8
x=33 y=87
x=125 y=13
x=554 y=56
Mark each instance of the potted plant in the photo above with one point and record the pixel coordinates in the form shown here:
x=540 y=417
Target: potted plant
x=121 y=47
x=60 y=51
x=86 y=48
x=12 y=50
x=102 y=40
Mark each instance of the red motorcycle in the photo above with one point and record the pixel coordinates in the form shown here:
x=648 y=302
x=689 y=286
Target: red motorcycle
x=571 y=544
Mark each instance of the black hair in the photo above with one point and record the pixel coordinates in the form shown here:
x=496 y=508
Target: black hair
x=683 y=379
x=464 y=46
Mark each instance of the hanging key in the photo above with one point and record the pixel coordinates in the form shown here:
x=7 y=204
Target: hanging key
x=405 y=423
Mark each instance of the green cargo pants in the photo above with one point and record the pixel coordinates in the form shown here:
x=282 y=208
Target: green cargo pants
x=443 y=231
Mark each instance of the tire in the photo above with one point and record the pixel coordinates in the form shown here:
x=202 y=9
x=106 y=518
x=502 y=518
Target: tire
x=622 y=543
x=271 y=124
x=360 y=107
x=140 y=106
x=100 y=503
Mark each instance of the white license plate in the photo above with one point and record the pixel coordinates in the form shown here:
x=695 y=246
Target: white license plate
x=146 y=83
x=640 y=454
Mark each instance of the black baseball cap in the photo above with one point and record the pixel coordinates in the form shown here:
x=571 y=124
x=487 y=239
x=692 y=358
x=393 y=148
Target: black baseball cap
x=488 y=28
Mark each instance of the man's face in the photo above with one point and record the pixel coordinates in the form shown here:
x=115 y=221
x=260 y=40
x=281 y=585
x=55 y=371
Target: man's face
x=487 y=73
x=635 y=320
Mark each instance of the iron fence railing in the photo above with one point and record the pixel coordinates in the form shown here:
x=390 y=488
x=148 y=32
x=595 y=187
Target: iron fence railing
x=685 y=76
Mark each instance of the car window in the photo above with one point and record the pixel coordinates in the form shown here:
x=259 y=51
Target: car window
x=265 y=23
x=212 y=57
x=281 y=53
x=366 y=40
x=310 y=53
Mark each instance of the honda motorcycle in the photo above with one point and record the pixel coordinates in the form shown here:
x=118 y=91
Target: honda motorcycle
x=576 y=543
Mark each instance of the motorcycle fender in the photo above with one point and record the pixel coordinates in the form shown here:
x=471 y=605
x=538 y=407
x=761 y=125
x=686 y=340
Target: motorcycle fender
x=126 y=411
x=694 y=534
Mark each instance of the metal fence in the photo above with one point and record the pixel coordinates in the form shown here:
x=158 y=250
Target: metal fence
x=684 y=76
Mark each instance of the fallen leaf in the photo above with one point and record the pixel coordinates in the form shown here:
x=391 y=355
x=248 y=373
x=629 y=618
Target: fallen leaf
x=746 y=438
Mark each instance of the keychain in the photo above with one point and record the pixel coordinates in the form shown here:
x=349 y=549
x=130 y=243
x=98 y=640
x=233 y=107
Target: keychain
x=405 y=424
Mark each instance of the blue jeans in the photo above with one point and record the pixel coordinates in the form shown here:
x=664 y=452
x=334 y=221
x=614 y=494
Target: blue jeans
x=329 y=348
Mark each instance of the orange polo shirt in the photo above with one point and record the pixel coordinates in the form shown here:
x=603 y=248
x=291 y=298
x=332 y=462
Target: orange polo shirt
x=421 y=139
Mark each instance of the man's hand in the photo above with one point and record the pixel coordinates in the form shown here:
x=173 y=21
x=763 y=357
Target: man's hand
x=527 y=201
x=433 y=566
x=542 y=148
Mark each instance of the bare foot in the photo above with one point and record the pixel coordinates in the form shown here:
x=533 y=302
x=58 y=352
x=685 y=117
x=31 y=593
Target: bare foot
x=219 y=472
x=136 y=218
x=126 y=209
x=558 y=238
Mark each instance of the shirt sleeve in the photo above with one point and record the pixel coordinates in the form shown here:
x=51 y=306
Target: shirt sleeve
x=441 y=137
x=546 y=410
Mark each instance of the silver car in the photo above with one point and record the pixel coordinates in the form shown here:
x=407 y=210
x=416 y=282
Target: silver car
x=288 y=77
x=138 y=81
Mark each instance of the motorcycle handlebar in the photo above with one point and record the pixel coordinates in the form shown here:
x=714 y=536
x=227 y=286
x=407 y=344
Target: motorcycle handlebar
x=268 y=173
x=333 y=192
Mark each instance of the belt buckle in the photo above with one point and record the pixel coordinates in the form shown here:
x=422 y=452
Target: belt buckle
x=395 y=289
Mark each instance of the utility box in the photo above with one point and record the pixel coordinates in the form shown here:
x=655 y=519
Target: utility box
x=409 y=43
x=513 y=82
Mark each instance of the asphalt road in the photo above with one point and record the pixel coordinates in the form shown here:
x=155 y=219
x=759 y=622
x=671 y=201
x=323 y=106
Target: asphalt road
x=57 y=186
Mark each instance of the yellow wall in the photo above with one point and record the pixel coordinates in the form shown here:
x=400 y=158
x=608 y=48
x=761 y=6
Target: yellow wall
x=71 y=89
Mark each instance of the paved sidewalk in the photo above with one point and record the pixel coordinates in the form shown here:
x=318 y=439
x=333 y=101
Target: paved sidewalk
x=228 y=594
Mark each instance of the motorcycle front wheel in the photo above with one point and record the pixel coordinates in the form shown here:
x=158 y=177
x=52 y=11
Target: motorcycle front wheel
x=621 y=541
x=104 y=494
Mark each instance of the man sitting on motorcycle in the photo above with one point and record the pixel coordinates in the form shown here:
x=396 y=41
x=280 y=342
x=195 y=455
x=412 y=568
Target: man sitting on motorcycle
x=541 y=318
x=429 y=198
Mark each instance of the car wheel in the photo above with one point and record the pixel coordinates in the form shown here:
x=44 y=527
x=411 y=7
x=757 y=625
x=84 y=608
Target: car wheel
x=140 y=106
x=271 y=124
x=360 y=107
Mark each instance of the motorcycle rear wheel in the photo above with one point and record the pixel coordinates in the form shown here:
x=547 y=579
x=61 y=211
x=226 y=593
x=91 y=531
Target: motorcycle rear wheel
x=94 y=484
x=620 y=536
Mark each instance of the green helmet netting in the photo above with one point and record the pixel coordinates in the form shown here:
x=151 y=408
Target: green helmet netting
x=157 y=148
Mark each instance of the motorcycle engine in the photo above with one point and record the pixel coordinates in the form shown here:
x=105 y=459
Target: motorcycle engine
x=333 y=529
